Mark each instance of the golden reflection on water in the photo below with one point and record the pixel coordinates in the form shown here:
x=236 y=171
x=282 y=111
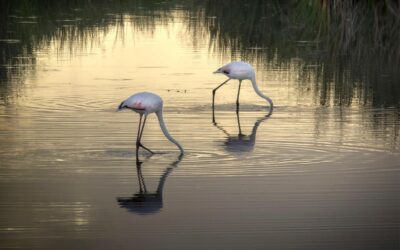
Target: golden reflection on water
x=132 y=62
x=124 y=60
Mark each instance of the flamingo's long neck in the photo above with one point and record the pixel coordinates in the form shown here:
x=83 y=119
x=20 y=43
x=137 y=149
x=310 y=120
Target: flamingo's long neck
x=165 y=131
x=257 y=90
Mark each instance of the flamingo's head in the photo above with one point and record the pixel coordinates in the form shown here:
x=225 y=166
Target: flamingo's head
x=136 y=106
x=121 y=106
x=222 y=70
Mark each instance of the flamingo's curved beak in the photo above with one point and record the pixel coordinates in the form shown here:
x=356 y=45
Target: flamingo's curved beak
x=217 y=71
x=120 y=107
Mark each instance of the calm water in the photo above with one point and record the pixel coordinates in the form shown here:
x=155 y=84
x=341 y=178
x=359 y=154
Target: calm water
x=322 y=172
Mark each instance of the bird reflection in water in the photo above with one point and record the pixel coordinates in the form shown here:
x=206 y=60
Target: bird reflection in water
x=145 y=202
x=241 y=142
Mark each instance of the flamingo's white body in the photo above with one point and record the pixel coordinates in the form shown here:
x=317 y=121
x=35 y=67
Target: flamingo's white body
x=241 y=71
x=145 y=103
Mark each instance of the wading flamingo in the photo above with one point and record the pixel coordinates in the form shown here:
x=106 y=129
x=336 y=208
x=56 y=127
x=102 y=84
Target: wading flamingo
x=241 y=71
x=145 y=103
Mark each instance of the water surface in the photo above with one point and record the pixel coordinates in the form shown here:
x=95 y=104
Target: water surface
x=321 y=172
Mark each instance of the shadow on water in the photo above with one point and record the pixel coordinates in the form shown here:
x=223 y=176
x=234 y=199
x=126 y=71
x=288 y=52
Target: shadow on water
x=240 y=143
x=145 y=202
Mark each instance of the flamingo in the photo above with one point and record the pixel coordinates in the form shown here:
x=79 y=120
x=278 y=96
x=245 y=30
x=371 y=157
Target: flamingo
x=145 y=103
x=240 y=71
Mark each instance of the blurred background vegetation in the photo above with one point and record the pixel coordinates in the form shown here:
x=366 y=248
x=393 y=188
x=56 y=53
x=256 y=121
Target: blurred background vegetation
x=345 y=51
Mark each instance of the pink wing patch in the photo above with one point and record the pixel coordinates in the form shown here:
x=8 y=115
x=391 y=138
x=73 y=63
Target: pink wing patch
x=137 y=105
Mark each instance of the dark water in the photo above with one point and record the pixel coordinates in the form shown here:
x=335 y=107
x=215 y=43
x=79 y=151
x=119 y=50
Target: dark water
x=322 y=172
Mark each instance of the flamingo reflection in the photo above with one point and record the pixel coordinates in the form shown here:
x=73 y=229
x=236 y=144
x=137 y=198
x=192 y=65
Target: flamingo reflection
x=145 y=202
x=240 y=142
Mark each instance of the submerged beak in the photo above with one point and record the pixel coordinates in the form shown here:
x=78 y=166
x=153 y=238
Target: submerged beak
x=120 y=107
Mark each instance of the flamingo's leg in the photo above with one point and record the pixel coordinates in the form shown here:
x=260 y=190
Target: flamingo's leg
x=137 y=139
x=237 y=98
x=215 y=90
x=138 y=143
x=213 y=98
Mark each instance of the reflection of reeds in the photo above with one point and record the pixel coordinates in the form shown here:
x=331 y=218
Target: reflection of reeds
x=349 y=50
x=366 y=36
x=355 y=44
x=69 y=26
x=373 y=23
x=345 y=52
